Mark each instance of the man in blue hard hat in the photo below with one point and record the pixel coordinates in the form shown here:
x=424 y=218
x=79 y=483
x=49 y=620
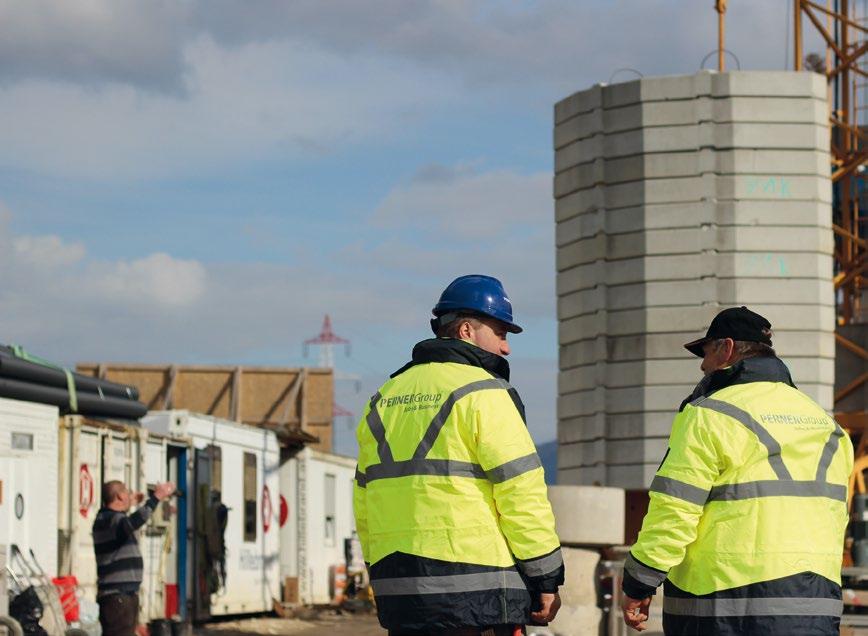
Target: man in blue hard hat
x=450 y=498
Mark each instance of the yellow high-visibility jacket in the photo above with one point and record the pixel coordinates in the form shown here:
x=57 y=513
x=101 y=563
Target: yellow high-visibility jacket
x=450 y=499
x=748 y=511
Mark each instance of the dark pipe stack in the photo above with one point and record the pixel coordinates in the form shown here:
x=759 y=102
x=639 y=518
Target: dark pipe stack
x=35 y=381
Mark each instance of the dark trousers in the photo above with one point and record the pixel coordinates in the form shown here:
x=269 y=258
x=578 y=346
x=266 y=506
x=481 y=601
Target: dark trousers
x=119 y=614
x=495 y=630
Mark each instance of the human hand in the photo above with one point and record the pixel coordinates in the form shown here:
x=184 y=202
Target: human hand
x=636 y=612
x=164 y=490
x=549 y=606
x=138 y=498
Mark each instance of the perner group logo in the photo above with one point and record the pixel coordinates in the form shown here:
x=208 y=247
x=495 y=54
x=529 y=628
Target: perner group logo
x=412 y=401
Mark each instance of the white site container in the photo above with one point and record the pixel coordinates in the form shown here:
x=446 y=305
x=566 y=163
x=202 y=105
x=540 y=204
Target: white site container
x=28 y=482
x=229 y=459
x=317 y=490
x=93 y=452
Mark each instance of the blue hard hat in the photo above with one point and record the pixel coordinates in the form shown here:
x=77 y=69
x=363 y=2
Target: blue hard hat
x=477 y=294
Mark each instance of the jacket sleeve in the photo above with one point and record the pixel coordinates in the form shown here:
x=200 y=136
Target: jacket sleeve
x=360 y=508
x=677 y=496
x=507 y=454
x=127 y=525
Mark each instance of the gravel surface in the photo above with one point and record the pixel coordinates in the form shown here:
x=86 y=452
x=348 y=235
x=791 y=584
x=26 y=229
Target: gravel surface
x=321 y=624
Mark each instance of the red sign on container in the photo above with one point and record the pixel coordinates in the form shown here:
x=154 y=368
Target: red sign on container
x=267 y=510
x=85 y=490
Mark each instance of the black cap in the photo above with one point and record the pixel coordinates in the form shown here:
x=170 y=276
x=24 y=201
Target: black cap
x=738 y=323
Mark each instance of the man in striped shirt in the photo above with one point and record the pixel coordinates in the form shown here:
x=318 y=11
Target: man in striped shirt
x=118 y=559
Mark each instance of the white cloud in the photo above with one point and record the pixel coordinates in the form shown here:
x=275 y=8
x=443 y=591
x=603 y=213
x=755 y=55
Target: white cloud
x=120 y=88
x=261 y=100
x=162 y=307
x=158 y=280
x=46 y=251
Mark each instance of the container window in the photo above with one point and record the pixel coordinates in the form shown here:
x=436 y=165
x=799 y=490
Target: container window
x=249 y=497
x=330 y=492
x=22 y=441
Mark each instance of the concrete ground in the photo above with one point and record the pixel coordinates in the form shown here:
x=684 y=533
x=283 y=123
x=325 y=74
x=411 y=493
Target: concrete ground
x=323 y=623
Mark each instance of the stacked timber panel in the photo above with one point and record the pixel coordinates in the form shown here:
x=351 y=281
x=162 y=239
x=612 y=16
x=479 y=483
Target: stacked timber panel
x=677 y=197
x=296 y=402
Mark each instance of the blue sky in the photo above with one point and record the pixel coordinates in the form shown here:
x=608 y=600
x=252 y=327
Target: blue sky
x=200 y=181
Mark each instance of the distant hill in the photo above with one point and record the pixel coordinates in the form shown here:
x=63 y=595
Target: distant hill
x=548 y=455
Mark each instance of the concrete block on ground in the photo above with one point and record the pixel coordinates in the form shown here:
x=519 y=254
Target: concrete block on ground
x=577 y=620
x=580 y=564
x=588 y=516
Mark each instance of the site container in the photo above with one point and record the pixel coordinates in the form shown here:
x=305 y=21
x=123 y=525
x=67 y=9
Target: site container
x=317 y=496
x=232 y=506
x=28 y=484
x=92 y=452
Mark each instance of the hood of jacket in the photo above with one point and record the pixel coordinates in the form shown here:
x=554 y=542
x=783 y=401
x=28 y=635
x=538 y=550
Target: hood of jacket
x=765 y=369
x=458 y=351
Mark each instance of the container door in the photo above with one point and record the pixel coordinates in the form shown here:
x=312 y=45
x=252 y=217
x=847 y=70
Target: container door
x=176 y=603
x=86 y=484
x=207 y=561
x=155 y=538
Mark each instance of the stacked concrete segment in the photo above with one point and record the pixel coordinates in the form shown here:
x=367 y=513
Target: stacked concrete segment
x=675 y=198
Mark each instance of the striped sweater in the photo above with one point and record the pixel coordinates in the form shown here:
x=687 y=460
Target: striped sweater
x=119 y=562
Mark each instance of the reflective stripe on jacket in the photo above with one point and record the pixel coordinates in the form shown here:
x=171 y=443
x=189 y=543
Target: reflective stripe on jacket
x=450 y=498
x=747 y=515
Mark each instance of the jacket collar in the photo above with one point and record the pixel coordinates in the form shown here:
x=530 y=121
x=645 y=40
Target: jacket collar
x=765 y=369
x=458 y=351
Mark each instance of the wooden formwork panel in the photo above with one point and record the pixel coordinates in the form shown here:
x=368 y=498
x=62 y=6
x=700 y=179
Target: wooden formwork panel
x=274 y=397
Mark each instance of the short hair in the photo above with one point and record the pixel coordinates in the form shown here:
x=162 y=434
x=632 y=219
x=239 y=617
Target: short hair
x=450 y=329
x=744 y=349
x=111 y=490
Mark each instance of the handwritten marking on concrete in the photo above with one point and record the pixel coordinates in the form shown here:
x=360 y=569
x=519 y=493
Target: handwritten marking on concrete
x=779 y=187
x=766 y=263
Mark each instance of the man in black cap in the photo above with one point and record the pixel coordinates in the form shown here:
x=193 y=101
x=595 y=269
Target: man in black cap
x=748 y=508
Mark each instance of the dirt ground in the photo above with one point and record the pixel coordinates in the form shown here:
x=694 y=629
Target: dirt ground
x=322 y=624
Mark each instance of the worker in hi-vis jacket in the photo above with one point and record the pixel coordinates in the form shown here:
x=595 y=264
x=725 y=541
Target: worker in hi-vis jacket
x=450 y=498
x=749 y=506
